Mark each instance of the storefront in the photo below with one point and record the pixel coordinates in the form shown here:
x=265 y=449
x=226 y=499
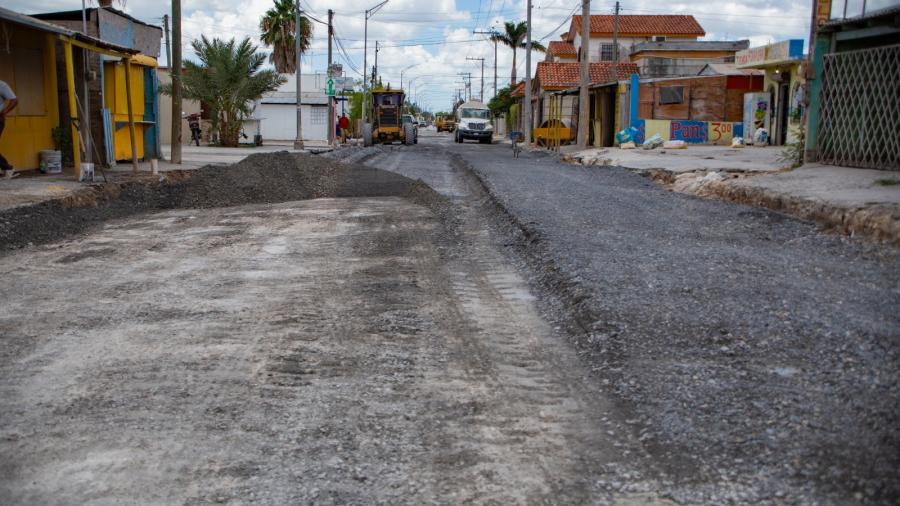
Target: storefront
x=784 y=67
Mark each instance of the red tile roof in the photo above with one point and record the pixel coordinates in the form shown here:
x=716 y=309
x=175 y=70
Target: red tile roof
x=632 y=25
x=561 y=48
x=562 y=75
x=518 y=90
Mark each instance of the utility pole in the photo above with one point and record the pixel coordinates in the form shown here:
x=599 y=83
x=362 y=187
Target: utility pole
x=375 y=69
x=615 y=65
x=527 y=113
x=482 y=32
x=298 y=140
x=88 y=135
x=482 y=75
x=584 y=106
x=369 y=13
x=467 y=83
x=176 y=82
x=168 y=43
x=330 y=99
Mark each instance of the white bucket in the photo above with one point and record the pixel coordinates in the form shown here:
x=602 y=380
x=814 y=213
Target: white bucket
x=51 y=161
x=87 y=172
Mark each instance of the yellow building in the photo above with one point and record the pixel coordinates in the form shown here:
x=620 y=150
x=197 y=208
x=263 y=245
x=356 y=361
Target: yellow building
x=28 y=66
x=784 y=65
x=116 y=102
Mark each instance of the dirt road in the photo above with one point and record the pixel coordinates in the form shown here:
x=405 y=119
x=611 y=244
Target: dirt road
x=331 y=351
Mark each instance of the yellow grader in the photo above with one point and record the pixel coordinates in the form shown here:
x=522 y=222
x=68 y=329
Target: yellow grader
x=387 y=123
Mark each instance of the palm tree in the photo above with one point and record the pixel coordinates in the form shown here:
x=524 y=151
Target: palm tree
x=277 y=27
x=228 y=79
x=514 y=37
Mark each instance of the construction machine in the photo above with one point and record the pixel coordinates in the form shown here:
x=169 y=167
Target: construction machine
x=444 y=123
x=387 y=124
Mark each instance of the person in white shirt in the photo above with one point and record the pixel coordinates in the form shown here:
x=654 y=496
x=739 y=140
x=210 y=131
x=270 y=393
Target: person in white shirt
x=9 y=103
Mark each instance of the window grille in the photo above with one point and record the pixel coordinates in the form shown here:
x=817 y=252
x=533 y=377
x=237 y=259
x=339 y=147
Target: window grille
x=318 y=115
x=860 y=104
x=606 y=52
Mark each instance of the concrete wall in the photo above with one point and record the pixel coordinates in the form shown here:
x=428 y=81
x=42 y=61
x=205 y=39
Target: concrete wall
x=655 y=66
x=279 y=122
x=123 y=31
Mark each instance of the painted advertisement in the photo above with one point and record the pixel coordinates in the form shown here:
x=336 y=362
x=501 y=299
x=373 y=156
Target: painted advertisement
x=785 y=50
x=692 y=132
x=757 y=111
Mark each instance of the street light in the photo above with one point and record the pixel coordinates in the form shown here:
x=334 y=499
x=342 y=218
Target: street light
x=369 y=13
x=404 y=70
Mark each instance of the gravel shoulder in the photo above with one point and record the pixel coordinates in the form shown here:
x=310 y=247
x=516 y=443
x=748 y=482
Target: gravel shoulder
x=259 y=178
x=759 y=350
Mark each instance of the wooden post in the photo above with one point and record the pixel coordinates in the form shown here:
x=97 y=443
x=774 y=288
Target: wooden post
x=73 y=107
x=134 y=163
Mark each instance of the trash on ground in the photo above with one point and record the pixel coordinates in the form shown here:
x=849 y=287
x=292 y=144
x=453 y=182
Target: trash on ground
x=675 y=145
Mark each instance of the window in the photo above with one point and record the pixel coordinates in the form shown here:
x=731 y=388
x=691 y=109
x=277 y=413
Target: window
x=606 y=52
x=671 y=95
x=658 y=38
x=318 y=115
x=475 y=113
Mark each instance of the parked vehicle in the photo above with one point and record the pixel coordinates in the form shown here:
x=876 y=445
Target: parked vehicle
x=387 y=120
x=473 y=121
x=194 y=124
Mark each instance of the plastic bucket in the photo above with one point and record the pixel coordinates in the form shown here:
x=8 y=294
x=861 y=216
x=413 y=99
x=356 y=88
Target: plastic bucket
x=87 y=172
x=51 y=161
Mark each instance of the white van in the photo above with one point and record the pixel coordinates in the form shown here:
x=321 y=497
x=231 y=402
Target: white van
x=473 y=121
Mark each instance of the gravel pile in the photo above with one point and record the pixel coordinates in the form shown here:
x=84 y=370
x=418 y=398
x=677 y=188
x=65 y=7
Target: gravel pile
x=260 y=178
x=761 y=355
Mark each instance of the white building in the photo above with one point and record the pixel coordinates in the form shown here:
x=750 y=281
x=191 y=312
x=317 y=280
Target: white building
x=277 y=111
x=632 y=30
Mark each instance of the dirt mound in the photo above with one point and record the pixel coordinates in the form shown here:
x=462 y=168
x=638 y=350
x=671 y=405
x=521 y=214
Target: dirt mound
x=258 y=179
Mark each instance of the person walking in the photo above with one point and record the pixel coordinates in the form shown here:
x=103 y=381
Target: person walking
x=9 y=103
x=344 y=124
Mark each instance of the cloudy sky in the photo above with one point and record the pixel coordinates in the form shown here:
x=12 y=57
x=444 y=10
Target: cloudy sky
x=435 y=36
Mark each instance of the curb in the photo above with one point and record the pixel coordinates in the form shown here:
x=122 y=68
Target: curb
x=878 y=223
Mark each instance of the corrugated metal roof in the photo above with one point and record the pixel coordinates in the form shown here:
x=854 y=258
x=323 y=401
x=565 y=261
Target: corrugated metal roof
x=44 y=26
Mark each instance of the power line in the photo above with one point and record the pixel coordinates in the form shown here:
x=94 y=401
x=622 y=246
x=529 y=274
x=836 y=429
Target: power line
x=566 y=19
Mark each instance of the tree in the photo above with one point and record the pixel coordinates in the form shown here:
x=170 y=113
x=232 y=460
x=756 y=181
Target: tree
x=277 y=27
x=501 y=102
x=514 y=37
x=228 y=79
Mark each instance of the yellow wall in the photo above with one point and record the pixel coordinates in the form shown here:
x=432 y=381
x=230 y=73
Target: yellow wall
x=796 y=79
x=30 y=70
x=117 y=103
x=656 y=126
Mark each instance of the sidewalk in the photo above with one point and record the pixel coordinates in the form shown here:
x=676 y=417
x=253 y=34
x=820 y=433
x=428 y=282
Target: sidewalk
x=849 y=200
x=31 y=187
x=724 y=158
